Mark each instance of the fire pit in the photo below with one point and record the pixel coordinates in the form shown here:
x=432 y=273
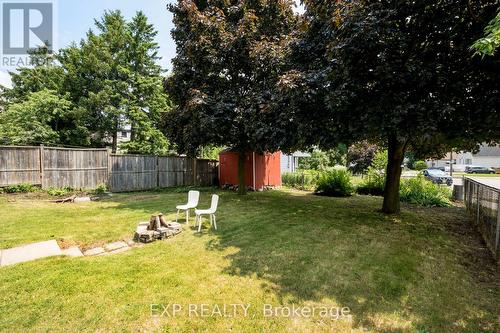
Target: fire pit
x=156 y=228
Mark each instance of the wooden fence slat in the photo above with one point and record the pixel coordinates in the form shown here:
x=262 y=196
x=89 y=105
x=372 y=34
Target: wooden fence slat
x=89 y=168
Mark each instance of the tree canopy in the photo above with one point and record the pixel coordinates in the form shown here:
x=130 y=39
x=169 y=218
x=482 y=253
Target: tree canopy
x=230 y=55
x=108 y=81
x=393 y=72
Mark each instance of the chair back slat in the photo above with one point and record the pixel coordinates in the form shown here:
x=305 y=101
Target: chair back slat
x=215 y=202
x=193 y=198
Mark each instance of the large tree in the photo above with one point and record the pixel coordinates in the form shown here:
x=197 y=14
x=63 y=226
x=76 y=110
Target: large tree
x=38 y=119
x=37 y=109
x=111 y=79
x=230 y=54
x=400 y=73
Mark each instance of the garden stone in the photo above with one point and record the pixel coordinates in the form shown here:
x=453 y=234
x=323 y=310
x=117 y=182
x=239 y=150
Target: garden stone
x=82 y=199
x=114 y=246
x=29 y=252
x=73 y=251
x=95 y=251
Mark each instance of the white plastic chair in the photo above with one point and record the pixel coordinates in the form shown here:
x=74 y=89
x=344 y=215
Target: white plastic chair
x=193 y=198
x=211 y=212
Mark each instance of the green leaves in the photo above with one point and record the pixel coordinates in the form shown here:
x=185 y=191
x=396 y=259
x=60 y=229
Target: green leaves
x=229 y=58
x=111 y=80
x=491 y=40
x=36 y=120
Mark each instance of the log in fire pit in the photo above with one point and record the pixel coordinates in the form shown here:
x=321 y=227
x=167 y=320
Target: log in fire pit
x=156 y=228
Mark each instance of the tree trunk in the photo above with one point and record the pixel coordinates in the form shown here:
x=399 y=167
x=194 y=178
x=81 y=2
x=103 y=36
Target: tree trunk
x=114 y=146
x=396 y=154
x=132 y=133
x=242 y=188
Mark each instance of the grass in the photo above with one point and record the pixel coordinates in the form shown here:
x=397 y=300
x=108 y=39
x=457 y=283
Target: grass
x=456 y=174
x=422 y=271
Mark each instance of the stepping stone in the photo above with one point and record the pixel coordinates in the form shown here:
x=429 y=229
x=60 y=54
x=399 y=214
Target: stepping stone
x=73 y=251
x=131 y=243
x=114 y=246
x=81 y=199
x=120 y=250
x=29 y=252
x=93 y=252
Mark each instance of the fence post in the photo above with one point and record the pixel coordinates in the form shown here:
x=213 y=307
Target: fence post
x=477 y=203
x=157 y=172
x=497 y=238
x=465 y=192
x=41 y=165
x=194 y=171
x=110 y=169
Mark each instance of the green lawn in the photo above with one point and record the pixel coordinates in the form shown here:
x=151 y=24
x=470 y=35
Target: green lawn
x=456 y=174
x=423 y=271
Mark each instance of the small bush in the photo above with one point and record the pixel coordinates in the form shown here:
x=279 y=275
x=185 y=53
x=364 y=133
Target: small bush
x=306 y=179
x=21 y=188
x=375 y=181
x=373 y=185
x=422 y=192
x=101 y=189
x=335 y=183
x=419 y=165
x=57 y=192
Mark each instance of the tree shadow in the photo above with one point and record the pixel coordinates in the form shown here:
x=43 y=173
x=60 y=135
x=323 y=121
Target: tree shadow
x=342 y=250
x=424 y=270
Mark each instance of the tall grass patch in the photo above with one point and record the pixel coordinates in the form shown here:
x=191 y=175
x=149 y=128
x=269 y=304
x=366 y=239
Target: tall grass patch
x=422 y=192
x=335 y=183
x=302 y=180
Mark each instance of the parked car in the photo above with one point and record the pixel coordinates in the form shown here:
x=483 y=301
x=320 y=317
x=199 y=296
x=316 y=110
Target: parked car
x=479 y=169
x=437 y=168
x=437 y=176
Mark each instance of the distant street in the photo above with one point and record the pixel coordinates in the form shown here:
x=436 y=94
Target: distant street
x=457 y=180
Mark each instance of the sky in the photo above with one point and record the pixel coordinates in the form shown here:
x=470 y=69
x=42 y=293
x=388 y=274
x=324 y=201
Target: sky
x=75 y=18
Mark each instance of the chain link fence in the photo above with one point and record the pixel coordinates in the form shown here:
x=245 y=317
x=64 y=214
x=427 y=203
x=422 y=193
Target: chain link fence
x=482 y=203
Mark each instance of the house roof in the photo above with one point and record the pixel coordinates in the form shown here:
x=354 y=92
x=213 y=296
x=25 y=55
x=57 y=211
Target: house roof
x=489 y=151
x=5 y=80
x=301 y=154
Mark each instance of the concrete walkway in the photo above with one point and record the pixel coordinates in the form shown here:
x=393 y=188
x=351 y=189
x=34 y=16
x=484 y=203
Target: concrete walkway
x=51 y=248
x=29 y=252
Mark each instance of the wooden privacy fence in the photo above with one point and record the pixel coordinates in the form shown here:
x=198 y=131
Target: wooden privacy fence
x=89 y=168
x=139 y=172
x=482 y=203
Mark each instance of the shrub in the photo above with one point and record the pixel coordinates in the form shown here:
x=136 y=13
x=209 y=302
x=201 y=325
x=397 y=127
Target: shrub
x=419 y=165
x=101 y=189
x=360 y=156
x=336 y=183
x=372 y=185
x=375 y=181
x=21 y=188
x=305 y=179
x=59 y=191
x=423 y=192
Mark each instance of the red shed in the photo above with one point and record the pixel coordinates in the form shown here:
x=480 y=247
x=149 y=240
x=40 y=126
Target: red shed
x=261 y=169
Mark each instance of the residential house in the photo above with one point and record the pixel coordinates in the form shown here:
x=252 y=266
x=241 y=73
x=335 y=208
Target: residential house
x=290 y=162
x=487 y=156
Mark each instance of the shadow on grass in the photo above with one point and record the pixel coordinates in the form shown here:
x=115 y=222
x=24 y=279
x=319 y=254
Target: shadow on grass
x=402 y=273
x=342 y=250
